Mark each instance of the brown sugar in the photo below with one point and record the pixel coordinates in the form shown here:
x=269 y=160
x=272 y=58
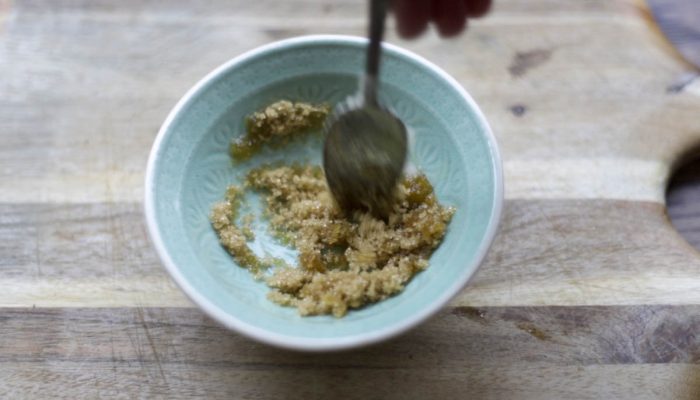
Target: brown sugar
x=277 y=124
x=345 y=261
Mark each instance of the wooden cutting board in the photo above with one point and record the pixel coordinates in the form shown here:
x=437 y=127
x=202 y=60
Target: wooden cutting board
x=588 y=291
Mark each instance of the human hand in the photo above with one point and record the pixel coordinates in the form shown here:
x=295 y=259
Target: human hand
x=449 y=16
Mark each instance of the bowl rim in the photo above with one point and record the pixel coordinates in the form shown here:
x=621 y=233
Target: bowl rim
x=296 y=342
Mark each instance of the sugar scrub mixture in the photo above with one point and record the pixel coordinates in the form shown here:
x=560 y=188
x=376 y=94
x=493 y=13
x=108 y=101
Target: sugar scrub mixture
x=277 y=124
x=345 y=261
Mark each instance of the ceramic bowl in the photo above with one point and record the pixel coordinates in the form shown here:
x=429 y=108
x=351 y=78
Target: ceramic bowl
x=189 y=168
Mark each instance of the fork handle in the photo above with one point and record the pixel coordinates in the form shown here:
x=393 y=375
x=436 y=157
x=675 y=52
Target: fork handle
x=377 y=16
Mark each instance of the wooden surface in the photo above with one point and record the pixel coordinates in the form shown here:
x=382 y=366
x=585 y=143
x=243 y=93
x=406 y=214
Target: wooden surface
x=588 y=292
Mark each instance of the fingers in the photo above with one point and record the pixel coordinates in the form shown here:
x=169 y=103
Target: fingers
x=477 y=8
x=411 y=16
x=450 y=16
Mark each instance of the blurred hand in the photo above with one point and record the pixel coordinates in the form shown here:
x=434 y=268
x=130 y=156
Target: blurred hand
x=449 y=16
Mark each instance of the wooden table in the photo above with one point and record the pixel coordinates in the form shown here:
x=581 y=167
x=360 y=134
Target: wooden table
x=588 y=292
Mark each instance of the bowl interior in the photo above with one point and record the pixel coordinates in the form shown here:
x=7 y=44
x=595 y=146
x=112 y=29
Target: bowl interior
x=450 y=142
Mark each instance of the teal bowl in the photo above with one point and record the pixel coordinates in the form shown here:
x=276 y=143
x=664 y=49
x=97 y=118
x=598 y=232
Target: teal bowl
x=189 y=168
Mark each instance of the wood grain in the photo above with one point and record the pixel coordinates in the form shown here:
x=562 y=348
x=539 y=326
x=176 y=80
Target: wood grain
x=57 y=66
x=487 y=336
x=588 y=291
x=548 y=252
x=69 y=380
x=639 y=352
